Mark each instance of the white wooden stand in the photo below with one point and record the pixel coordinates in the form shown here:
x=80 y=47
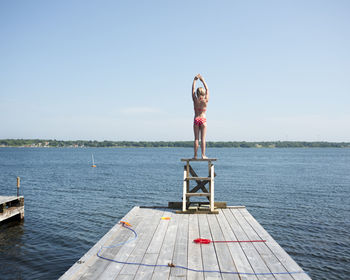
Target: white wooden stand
x=191 y=175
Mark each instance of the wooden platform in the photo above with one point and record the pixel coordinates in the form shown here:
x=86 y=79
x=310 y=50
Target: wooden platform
x=164 y=242
x=199 y=159
x=11 y=206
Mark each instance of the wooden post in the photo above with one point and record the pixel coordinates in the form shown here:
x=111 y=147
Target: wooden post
x=187 y=181
x=18 y=185
x=184 y=190
x=212 y=187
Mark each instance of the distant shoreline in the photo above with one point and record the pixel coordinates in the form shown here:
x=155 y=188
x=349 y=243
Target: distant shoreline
x=45 y=143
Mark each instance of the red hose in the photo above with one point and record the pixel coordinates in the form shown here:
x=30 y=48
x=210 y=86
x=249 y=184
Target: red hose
x=207 y=241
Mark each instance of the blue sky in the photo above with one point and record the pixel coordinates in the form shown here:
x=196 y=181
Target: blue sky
x=122 y=70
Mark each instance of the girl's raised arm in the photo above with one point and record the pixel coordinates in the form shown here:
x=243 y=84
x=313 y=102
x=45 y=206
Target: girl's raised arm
x=194 y=87
x=205 y=86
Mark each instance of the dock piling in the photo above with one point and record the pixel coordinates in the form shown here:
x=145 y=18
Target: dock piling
x=18 y=185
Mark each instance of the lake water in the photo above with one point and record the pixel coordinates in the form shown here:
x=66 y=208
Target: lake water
x=300 y=196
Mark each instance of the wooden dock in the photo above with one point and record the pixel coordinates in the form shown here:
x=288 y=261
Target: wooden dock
x=11 y=206
x=161 y=247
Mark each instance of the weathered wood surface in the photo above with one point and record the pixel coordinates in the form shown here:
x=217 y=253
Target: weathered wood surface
x=199 y=178
x=197 y=194
x=199 y=159
x=167 y=247
x=5 y=199
x=11 y=206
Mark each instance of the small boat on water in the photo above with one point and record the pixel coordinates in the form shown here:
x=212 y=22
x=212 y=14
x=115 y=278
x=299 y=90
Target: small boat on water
x=93 y=162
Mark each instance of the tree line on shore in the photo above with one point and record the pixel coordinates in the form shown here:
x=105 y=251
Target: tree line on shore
x=169 y=144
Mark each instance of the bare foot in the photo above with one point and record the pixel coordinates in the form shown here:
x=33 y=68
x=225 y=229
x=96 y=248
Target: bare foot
x=204 y=157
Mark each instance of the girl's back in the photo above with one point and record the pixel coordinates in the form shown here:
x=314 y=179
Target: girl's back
x=200 y=106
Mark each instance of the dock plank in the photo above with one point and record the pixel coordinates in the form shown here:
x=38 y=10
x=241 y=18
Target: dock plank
x=150 y=224
x=170 y=241
x=180 y=250
x=277 y=250
x=266 y=254
x=146 y=272
x=210 y=262
x=194 y=250
x=257 y=264
x=159 y=235
x=222 y=251
x=5 y=199
x=122 y=255
x=87 y=261
x=153 y=250
x=98 y=268
x=167 y=251
x=101 y=266
x=241 y=262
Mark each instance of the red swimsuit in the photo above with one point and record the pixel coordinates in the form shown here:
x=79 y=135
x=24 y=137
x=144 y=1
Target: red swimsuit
x=200 y=121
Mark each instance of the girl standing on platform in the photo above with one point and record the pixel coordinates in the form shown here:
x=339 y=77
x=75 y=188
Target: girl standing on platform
x=200 y=101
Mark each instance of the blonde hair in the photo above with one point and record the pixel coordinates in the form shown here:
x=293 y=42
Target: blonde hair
x=200 y=91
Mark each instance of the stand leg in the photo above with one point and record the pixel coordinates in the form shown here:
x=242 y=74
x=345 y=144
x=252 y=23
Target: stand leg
x=184 y=191
x=212 y=187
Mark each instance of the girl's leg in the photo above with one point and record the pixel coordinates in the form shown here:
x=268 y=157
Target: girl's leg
x=196 y=140
x=203 y=134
